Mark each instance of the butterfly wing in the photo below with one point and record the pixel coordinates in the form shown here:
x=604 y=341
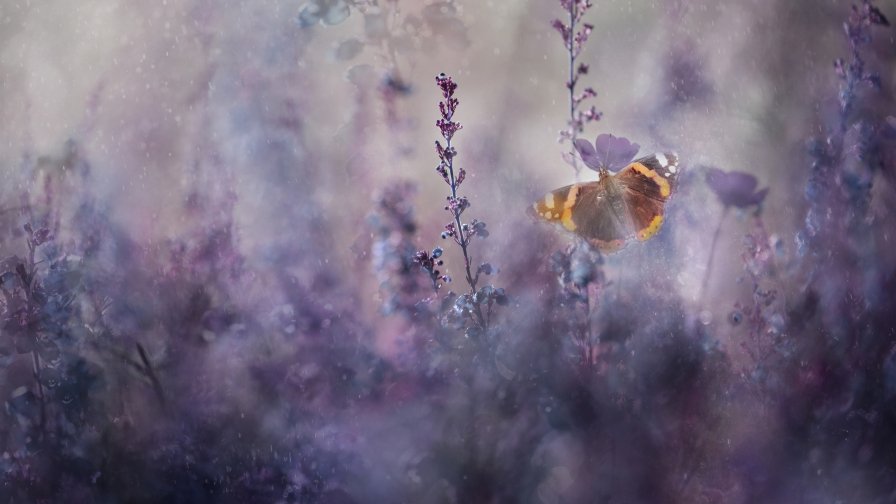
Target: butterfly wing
x=647 y=183
x=618 y=208
x=592 y=210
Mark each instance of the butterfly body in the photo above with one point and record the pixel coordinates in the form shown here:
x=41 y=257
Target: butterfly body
x=616 y=209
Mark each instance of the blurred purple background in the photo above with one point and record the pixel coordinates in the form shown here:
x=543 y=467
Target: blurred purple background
x=210 y=211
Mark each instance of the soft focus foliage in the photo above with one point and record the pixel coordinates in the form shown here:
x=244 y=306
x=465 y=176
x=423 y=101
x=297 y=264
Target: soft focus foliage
x=234 y=270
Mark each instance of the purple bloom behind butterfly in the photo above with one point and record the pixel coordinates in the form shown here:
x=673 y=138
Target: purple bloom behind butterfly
x=608 y=152
x=734 y=188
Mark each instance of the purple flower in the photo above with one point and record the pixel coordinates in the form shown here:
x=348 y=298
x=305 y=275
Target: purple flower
x=735 y=188
x=608 y=152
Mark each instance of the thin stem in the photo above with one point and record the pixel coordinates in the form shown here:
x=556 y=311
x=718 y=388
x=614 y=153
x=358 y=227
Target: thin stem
x=31 y=267
x=35 y=359
x=573 y=129
x=463 y=239
x=587 y=335
x=151 y=374
x=712 y=254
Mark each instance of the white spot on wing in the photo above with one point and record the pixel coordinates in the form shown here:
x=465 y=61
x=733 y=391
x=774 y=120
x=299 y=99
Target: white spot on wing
x=662 y=160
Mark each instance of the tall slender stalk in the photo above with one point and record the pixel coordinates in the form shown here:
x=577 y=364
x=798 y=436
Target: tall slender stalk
x=571 y=86
x=712 y=254
x=575 y=34
x=461 y=233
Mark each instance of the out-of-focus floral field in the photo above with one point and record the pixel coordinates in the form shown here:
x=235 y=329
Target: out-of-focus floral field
x=279 y=251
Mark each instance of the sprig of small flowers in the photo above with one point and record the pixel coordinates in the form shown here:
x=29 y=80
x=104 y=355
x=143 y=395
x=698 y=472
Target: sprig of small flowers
x=468 y=305
x=767 y=341
x=827 y=152
x=580 y=275
x=853 y=73
x=430 y=262
x=574 y=35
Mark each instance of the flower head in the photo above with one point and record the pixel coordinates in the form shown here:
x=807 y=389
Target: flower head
x=735 y=188
x=608 y=152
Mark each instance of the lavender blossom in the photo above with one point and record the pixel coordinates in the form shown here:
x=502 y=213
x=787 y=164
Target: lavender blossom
x=608 y=152
x=853 y=73
x=462 y=233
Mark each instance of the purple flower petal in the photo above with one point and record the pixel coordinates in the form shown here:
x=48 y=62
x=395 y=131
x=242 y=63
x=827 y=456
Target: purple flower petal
x=589 y=155
x=735 y=188
x=608 y=152
x=615 y=153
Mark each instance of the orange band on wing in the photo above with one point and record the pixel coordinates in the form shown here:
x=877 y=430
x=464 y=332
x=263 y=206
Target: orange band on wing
x=651 y=228
x=566 y=217
x=665 y=188
x=566 y=220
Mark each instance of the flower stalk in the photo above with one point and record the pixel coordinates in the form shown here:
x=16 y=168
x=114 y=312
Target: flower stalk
x=574 y=35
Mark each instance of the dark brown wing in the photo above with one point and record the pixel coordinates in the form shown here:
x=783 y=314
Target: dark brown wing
x=647 y=184
x=595 y=211
x=660 y=168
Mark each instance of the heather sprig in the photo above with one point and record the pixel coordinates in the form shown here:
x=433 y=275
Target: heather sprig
x=462 y=233
x=575 y=34
x=39 y=313
x=839 y=189
x=765 y=321
x=828 y=153
x=853 y=73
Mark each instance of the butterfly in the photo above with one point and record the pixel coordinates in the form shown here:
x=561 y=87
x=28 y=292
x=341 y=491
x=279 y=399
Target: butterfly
x=617 y=208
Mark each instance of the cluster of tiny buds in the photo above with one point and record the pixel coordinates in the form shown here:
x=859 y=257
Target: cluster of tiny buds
x=429 y=262
x=446 y=125
x=858 y=32
x=444 y=169
x=457 y=205
x=572 y=39
x=446 y=84
x=37 y=237
x=575 y=34
x=475 y=228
